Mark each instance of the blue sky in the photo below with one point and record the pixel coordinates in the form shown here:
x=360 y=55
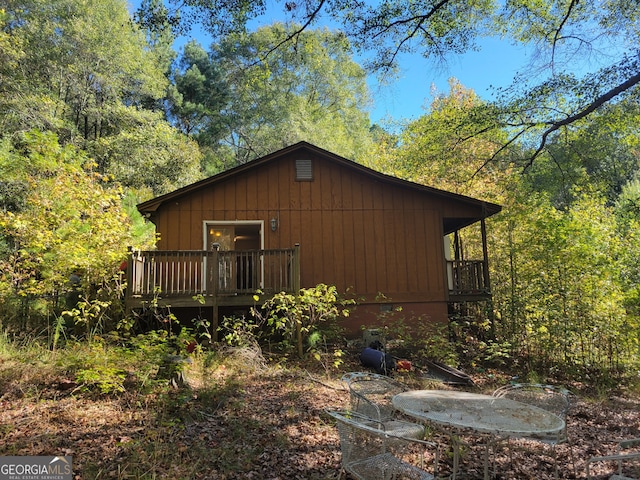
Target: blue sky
x=493 y=66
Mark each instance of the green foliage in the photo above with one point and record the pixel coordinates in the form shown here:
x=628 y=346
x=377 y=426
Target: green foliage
x=146 y=154
x=143 y=232
x=112 y=364
x=443 y=148
x=583 y=54
x=627 y=211
x=88 y=316
x=58 y=332
x=419 y=337
x=598 y=154
x=239 y=331
x=200 y=94
x=311 y=90
x=71 y=218
x=564 y=252
x=107 y=379
x=320 y=350
x=84 y=71
x=296 y=317
x=563 y=301
x=563 y=262
x=79 y=62
x=497 y=353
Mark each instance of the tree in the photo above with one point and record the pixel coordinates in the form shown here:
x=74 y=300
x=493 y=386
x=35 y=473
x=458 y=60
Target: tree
x=601 y=155
x=79 y=63
x=441 y=148
x=309 y=90
x=65 y=217
x=147 y=155
x=83 y=70
x=563 y=283
x=564 y=303
x=627 y=210
x=564 y=32
x=201 y=94
x=160 y=39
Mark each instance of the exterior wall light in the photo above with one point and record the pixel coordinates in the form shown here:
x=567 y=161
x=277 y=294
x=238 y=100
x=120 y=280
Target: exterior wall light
x=274 y=224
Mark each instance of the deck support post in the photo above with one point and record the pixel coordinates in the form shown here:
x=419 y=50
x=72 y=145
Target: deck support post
x=296 y=291
x=128 y=278
x=296 y=269
x=212 y=289
x=485 y=254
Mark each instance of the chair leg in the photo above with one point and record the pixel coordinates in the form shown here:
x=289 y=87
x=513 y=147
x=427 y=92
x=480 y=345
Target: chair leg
x=573 y=460
x=487 y=446
x=456 y=456
x=554 y=455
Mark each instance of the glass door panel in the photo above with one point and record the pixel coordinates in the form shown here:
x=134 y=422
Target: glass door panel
x=222 y=236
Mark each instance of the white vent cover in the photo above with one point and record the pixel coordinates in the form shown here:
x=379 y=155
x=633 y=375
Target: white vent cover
x=304 y=170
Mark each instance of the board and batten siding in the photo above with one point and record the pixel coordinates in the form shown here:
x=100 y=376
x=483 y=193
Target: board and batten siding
x=354 y=231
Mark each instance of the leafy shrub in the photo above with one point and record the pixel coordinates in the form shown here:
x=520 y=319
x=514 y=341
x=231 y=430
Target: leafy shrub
x=295 y=317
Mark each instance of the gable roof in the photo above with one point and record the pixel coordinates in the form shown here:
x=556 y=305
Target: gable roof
x=451 y=224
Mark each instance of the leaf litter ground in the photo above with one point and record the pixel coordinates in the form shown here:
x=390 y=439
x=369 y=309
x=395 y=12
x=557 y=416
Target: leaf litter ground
x=266 y=423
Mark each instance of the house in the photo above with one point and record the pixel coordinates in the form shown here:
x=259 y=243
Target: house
x=303 y=216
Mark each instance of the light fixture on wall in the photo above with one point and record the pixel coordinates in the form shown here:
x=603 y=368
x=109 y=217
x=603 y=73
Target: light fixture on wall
x=274 y=224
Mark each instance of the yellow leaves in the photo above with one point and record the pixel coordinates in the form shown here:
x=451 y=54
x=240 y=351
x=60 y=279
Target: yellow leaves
x=70 y=217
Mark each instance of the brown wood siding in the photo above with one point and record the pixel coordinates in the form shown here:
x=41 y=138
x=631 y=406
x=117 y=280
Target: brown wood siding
x=271 y=198
x=355 y=232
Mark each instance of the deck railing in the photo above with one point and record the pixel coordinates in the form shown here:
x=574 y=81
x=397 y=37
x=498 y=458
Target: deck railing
x=468 y=277
x=187 y=273
x=196 y=272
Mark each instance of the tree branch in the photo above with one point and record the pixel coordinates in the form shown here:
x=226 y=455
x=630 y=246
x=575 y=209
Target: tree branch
x=294 y=34
x=597 y=103
x=420 y=18
x=565 y=19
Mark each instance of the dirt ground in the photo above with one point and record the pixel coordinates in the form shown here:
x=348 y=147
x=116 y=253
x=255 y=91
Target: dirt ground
x=266 y=424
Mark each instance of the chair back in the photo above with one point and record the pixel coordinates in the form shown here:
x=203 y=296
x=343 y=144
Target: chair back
x=371 y=394
x=628 y=455
x=359 y=437
x=369 y=453
x=551 y=398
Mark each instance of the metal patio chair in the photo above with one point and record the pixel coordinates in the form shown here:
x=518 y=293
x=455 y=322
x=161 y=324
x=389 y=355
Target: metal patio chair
x=371 y=453
x=623 y=456
x=370 y=395
x=554 y=399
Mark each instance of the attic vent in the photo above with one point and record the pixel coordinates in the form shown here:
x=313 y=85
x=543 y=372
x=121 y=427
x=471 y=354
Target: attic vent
x=304 y=170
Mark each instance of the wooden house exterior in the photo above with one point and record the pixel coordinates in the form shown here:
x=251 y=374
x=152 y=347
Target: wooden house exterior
x=303 y=216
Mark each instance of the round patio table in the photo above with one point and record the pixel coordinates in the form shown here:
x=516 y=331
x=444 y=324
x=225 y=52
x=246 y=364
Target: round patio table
x=479 y=413
x=475 y=413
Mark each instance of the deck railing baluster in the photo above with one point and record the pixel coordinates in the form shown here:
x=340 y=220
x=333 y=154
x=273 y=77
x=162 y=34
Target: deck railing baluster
x=185 y=273
x=467 y=277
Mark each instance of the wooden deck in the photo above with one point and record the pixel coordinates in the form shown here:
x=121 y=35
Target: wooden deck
x=214 y=278
x=468 y=280
x=179 y=278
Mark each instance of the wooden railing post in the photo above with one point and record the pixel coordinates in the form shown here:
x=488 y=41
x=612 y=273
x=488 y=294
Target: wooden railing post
x=296 y=269
x=128 y=273
x=485 y=253
x=213 y=260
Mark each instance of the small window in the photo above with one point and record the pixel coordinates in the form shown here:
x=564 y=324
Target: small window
x=304 y=170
